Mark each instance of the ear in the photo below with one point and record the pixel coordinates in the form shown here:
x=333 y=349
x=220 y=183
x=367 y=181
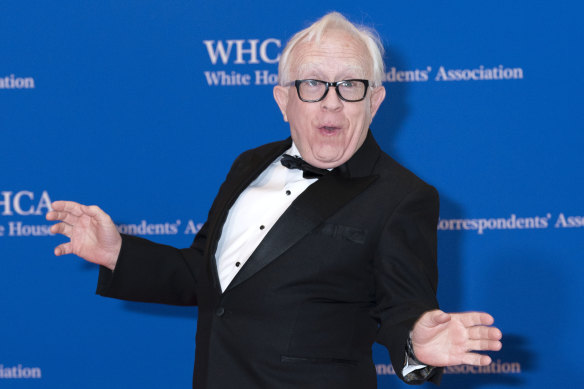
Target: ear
x=281 y=97
x=377 y=97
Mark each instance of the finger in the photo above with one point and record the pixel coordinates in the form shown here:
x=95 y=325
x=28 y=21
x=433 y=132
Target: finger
x=484 y=345
x=62 y=228
x=95 y=211
x=470 y=319
x=476 y=359
x=62 y=216
x=67 y=206
x=63 y=249
x=483 y=332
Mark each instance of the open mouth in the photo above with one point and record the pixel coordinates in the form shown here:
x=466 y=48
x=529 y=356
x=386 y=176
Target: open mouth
x=329 y=129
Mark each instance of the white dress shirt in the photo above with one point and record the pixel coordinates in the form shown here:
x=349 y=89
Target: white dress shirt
x=255 y=212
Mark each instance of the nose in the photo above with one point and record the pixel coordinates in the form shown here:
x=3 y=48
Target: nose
x=332 y=101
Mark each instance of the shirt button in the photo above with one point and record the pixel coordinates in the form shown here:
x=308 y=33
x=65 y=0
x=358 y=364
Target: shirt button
x=262 y=227
x=238 y=264
x=288 y=193
x=220 y=311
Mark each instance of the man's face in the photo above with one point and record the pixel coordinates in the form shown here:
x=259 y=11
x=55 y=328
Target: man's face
x=328 y=133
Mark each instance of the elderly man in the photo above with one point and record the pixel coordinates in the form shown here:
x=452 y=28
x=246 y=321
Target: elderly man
x=304 y=262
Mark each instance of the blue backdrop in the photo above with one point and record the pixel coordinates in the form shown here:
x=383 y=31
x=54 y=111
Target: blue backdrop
x=141 y=106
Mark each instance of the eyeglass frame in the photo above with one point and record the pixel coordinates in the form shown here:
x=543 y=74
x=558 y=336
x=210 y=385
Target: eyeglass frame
x=336 y=84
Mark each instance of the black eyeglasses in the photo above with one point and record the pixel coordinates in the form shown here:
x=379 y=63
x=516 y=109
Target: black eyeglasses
x=312 y=91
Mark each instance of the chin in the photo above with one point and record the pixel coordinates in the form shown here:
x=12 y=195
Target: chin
x=328 y=161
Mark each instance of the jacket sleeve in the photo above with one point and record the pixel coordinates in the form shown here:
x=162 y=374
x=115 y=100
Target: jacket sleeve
x=157 y=273
x=152 y=272
x=406 y=275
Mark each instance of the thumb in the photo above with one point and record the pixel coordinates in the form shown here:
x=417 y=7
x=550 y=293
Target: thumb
x=437 y=317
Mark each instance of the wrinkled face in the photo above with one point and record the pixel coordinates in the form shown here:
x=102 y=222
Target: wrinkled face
x=328 y=133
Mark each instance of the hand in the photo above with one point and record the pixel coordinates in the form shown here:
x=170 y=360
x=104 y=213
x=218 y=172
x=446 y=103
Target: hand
x=92 y=233
x=446 y=339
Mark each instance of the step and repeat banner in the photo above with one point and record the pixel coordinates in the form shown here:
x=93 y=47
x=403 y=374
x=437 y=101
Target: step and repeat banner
x=140 y=107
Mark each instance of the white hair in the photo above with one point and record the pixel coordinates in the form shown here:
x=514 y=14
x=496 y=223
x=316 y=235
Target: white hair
x=335 y=21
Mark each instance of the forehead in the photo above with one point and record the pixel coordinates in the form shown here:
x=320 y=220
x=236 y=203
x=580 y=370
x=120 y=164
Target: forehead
x=336 y=54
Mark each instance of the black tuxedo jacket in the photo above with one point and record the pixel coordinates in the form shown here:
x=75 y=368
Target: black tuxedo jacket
x=351 y=261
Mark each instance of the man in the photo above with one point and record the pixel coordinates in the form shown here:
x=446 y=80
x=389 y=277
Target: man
x=302 y=265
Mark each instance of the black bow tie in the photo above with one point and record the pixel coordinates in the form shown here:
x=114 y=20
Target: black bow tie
x=298 y=163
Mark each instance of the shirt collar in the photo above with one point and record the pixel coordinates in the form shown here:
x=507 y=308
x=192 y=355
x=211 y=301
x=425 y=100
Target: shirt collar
x=293 y=150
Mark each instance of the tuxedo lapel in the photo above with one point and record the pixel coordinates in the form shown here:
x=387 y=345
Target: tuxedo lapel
x=310 y=209
x=244 y=171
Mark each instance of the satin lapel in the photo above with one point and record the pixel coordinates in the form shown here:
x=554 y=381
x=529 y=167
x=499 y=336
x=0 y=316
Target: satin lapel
x=317 y=203
x=240 y=176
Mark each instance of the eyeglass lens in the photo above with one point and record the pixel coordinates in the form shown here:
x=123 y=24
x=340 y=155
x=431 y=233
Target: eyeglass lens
x=314 y=90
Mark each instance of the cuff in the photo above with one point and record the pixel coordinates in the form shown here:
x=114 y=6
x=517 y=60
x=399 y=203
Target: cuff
x=415 y=371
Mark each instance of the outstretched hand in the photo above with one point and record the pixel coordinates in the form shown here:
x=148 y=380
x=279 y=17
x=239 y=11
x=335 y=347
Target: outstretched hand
x=446 y=339
x=92 y=233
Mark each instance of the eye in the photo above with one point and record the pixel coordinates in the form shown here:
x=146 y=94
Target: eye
x=348 y=84
x=311 y=83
